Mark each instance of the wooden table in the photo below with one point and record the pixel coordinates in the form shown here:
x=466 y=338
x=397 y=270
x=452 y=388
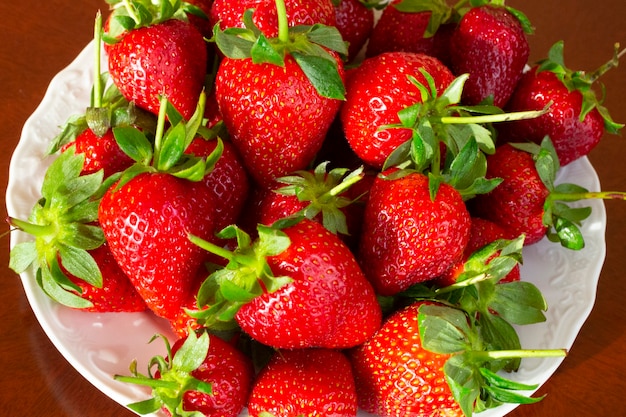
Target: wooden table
x=39 y=38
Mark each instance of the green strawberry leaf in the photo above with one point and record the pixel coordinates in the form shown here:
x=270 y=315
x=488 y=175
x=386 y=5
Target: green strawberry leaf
x=443 y=329
x=134 y=143
x=323 y=74
x=81 y=264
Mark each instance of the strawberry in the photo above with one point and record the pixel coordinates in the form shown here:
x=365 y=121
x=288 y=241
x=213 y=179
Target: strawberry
x=116 y=294
x=230 y=14
x=575 y=121
x=414 y=26
x=400 y=246
x=148 y=214
x=490 y=45
x=292 y=288
x=376 y=92
x=431 y=359
x=528 y=201
x=273 y=108
x=157 y=54
x=312 y=381
x=200 y=374
x=355 y=21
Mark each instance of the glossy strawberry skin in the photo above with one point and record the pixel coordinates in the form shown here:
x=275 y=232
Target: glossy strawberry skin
x=396 y=376
x=166 y=58
x=355 y=22
x=229 y=13
x=228 y=181
x=117 y=293
x=571 y=137
x=275 y=117
x=328 y=304
x=312 y=381
x=517 y=203
x=489 y=44
x=407 y=238
x=230 y=373
x=375 y=92
x=146 y=223
x=100 y=153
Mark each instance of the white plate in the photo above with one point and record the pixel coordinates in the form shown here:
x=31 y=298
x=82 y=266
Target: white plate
x=101 y=345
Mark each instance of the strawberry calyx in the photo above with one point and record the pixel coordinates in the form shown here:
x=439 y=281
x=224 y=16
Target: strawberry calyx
x=562 y=220
x=310 y=47
x=133 y=14
x=166 y=153
x=246 y=276
x=463 y=130
x=473 y=368
x=63 y=225
x=583 y=82
x=108 y=107
x=323 y=190
x=172 y=378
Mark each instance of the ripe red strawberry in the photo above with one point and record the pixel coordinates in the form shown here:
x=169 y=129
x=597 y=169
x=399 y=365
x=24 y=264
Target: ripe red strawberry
x=292 y=288
x=414 y=26
x=146 y=217
x=152 y=59
x=575 y=121
x=355 y=20
x=311 y=381
x=408 y=236
x=229 y=13
x=202 y=374
x=416 y=365
x=117 y=293
x=490 y=44
x=273 y=107
x=376 y=92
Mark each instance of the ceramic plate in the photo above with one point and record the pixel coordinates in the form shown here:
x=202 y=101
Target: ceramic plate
x=101 y=345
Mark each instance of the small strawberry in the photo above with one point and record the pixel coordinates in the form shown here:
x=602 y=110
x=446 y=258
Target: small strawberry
x=490 y=45
x=201 y=375
x=292 y=288
x=528 y=201
x=575 y=121
x=377 y=90
x=276 y=112
x=312 y=382
x=147 y=215
x=400 y=245
x=158 y=53
x=414 y=26
x=431 y=359
x=230 y=14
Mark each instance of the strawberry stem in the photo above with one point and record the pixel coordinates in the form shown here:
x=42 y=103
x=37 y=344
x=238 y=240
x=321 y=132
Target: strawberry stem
x=97 y=86
x=494 y=118
x=32 y=229
x=211 y=247
x=612 y=63
x=149 y=382
x=602 y=195
x=518 y=353
x=283 y=24
x=160 y=129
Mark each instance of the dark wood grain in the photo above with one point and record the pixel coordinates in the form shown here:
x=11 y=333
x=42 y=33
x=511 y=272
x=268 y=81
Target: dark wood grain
x=39 y=38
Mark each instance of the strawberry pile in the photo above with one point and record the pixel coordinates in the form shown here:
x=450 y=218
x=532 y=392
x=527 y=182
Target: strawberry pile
x=324 y=230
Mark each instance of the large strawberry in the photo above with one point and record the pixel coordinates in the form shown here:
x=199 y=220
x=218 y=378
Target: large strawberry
x=376 y=91
x=575 y=121
x=278 y=100
x=408 y=236
x=155 y=54
x=230 y=13
x=429 y=359
x=490 y=44
x=292 y=288
x=200 y=374
x=147 y=215
x=312 y=381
